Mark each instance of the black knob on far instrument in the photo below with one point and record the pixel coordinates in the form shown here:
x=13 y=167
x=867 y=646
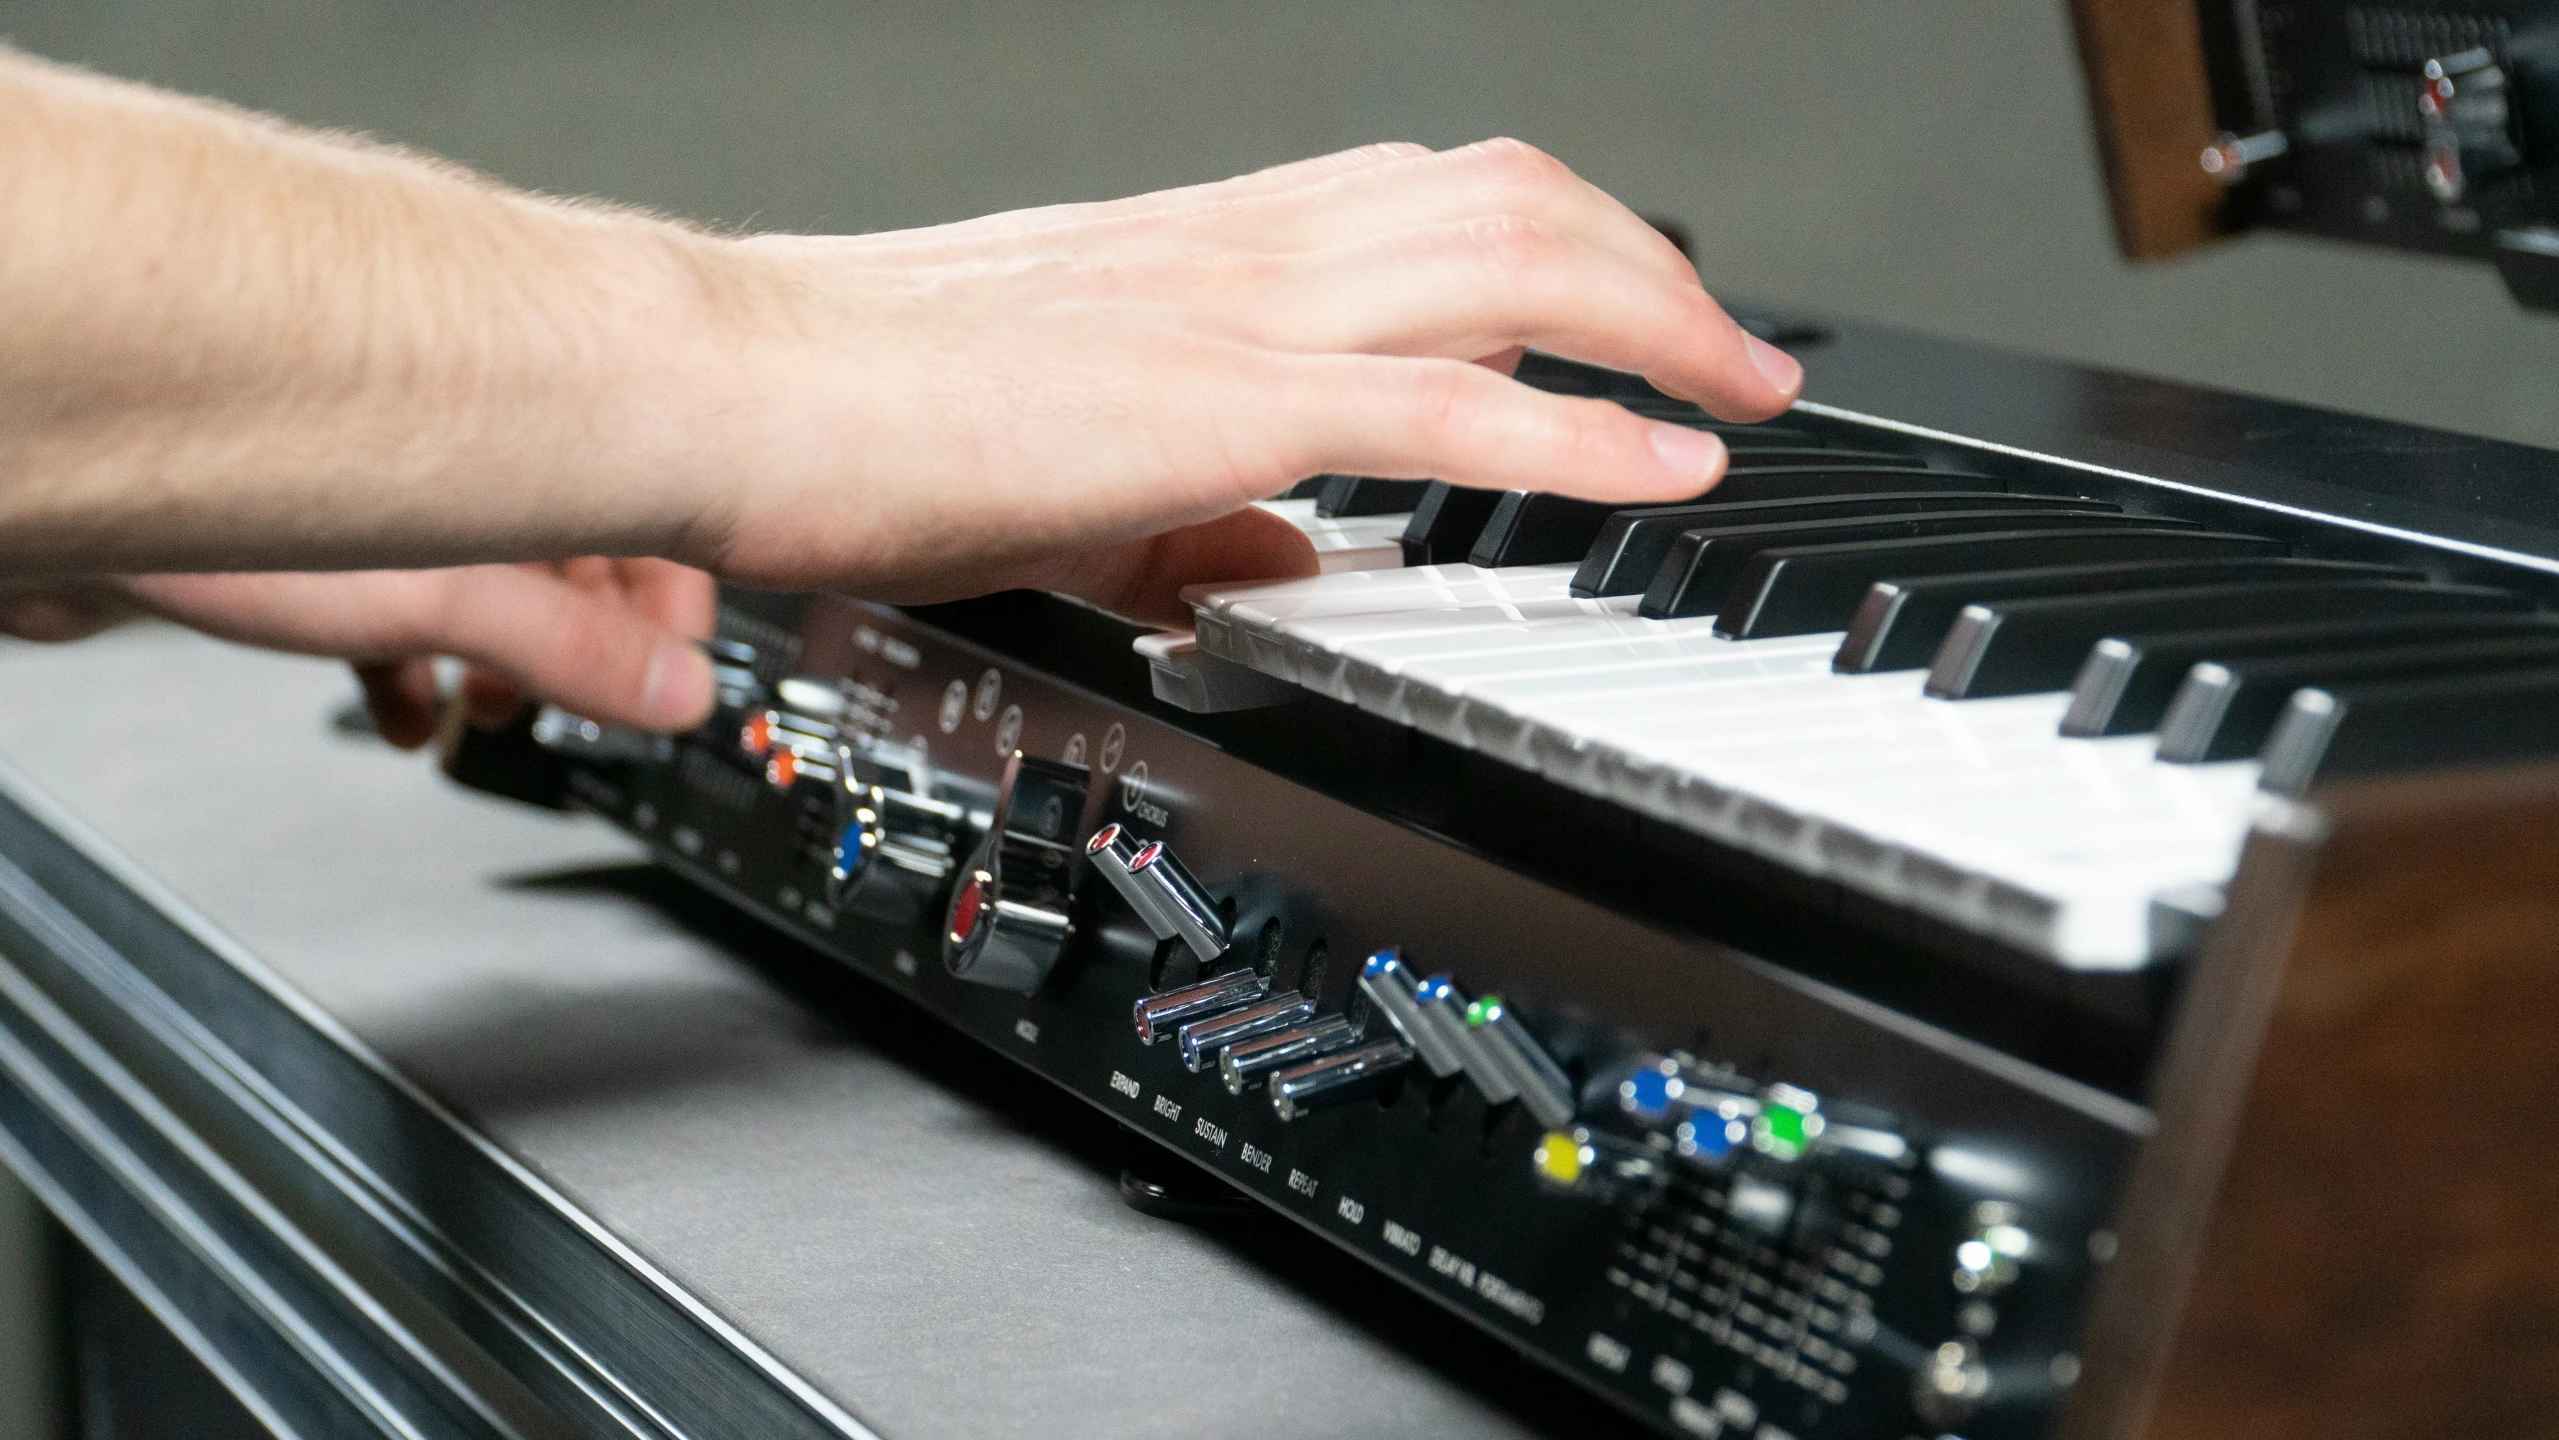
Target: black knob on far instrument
x=1008 y=920
x=2467 y=116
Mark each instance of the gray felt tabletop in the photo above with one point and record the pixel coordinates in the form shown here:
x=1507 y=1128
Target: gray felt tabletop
x=849 y=1185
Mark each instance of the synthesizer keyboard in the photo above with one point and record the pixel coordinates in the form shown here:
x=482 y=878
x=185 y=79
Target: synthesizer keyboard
x=1726 y=951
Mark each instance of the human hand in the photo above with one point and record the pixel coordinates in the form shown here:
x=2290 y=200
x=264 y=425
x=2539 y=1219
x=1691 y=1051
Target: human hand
x=268 y=350
x=1086 y=398
x=609 y=639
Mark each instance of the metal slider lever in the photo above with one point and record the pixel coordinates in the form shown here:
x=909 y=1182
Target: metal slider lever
x=1444 y=1010
x=1166 y=896
x=1389 y=987
x=1544 y=1089
x=557 y=730
x=1203 y=1039
x=1336 y=1078
x=1246 y=1060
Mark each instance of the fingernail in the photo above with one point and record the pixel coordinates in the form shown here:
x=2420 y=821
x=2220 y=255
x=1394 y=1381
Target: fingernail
x=676 y=695
x=1778 y=366
x=1695 y=456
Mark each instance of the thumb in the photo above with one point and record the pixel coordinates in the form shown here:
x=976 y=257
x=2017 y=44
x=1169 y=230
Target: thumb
x=587 y=650
x=1143 y=580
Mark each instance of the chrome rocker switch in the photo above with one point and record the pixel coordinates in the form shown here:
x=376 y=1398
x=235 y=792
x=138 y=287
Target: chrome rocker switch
x=896 y=845
x=1160 y=1016
x=1008 y=921
x=1204 y=1040
x=1337 y=1078
x=1163 y=892
x=1245 y=1061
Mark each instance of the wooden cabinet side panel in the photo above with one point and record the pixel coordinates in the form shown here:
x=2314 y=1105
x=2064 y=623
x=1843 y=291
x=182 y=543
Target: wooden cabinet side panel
x=2152 y=106
x=2382 y=1258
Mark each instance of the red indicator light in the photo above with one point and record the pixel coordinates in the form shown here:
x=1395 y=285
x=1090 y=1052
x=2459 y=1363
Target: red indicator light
x=964 y=910
x=756 y=736
x=782 y=769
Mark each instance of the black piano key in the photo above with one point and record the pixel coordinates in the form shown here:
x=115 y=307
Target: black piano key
x=1737 y=438
x=1702 y=565
x=1559 y=376
x=2353 y=731
x=1445 y=522
x=1786 y=456
x=1368 y=495
x=2018 y=647
x=1632 y=544
x=1806 y=589
x=1741 y=440
x=1902 y=621
x=1308 y=489
x=2225 y=708
x=1572 y=377
x=1531 y=527
x=2125 y=684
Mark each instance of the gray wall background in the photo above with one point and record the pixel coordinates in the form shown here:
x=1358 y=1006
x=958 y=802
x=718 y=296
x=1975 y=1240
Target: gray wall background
x=1921 y=163
x=1926 y=164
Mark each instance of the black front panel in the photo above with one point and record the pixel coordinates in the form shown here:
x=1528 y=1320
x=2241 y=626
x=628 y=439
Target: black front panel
x=1764 y=1296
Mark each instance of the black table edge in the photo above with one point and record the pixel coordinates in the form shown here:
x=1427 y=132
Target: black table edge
x=342 y=1252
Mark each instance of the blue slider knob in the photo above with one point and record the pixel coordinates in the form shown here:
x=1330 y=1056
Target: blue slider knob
x=1653 y=1090
x=1389 y=987
x=1711 y=1136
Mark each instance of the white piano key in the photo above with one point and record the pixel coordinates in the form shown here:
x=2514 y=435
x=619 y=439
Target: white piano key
x=1417 y=587
x=1319 y=649
x=1975 y=812
x=1262 y=630
x=1345 y=542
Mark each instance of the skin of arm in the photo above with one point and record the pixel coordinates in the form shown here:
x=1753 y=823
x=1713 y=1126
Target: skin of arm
x=233 y=346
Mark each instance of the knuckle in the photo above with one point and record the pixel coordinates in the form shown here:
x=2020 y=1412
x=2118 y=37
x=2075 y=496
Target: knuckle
x=1591 y=436
x=1522 y=168
x=1511 y=247
x=1447 y=404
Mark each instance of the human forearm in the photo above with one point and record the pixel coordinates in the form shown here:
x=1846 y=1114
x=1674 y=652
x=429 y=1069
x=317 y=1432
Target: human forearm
x=226 y=345
x=233 y=345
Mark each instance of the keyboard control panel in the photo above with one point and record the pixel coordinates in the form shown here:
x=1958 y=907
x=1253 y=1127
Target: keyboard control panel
x=1728 y=1198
